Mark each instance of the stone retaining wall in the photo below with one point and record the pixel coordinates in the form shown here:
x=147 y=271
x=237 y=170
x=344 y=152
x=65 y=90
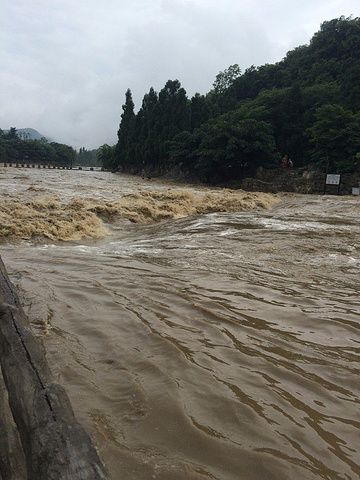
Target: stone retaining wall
x=302 y=180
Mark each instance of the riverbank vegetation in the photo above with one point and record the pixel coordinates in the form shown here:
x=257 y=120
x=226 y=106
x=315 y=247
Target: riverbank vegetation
x=306 y=106
x=14 y=148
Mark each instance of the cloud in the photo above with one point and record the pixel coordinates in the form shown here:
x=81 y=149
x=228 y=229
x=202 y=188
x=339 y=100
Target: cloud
x=66 y=65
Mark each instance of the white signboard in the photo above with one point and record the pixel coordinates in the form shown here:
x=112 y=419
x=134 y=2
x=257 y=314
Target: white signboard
x=332 y=179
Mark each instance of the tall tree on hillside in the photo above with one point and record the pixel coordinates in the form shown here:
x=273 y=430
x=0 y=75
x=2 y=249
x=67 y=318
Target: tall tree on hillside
x=148 y=129
x=125 y=146
x=173 y=109
x=173 y=115
x=11 y=134
x=199 y=111
x=221 y=98
x=225 y=79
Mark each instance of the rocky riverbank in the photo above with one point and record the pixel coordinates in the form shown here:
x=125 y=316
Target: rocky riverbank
x=307 y=180
x=301 y=180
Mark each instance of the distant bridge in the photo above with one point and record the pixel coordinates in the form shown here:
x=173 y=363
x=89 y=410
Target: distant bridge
x=50 y=166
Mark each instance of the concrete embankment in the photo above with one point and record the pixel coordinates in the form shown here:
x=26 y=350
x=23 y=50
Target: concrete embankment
x=40 y=437
x=301 y=180
x=309 y=180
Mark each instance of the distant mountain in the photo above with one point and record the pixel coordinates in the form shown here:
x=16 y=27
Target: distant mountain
x=29 y=134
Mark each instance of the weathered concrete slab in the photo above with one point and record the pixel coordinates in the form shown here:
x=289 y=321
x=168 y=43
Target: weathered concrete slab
x=55 y=445
x=12 y=458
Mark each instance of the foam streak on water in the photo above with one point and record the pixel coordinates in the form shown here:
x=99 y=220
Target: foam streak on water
x=200 y=333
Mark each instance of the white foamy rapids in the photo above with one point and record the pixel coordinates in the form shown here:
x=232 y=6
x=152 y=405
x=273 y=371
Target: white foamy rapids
x=50 y=217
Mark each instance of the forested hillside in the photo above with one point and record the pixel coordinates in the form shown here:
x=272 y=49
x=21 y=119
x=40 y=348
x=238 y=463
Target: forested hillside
x=306 y=106
x=15 y=150
x=15 y=147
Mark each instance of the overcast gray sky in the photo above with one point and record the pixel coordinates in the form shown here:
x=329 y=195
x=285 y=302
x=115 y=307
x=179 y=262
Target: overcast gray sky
x=66 y=64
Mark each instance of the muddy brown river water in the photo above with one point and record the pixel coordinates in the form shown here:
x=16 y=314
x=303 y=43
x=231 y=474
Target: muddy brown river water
x=199 y=333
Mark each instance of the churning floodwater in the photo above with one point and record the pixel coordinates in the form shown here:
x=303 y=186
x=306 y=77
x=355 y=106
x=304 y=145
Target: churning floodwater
x=199 y=333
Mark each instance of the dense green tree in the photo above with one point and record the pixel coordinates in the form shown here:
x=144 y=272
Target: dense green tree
x=229 y=150
x=125 y=148
x=226 y=78
x=9 y=150
x=226 y=148
x=64 y=155
x=199 y=111
x=33 y=151
x=336 y=137
x=183 y=150
x=87 y=157
x=349 y=85
x=11 y=134
x=174 y=110
x=143 y=138
x=147 y=130
x=105 y=156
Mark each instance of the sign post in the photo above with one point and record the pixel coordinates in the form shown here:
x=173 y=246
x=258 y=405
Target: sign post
x=332 y=179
